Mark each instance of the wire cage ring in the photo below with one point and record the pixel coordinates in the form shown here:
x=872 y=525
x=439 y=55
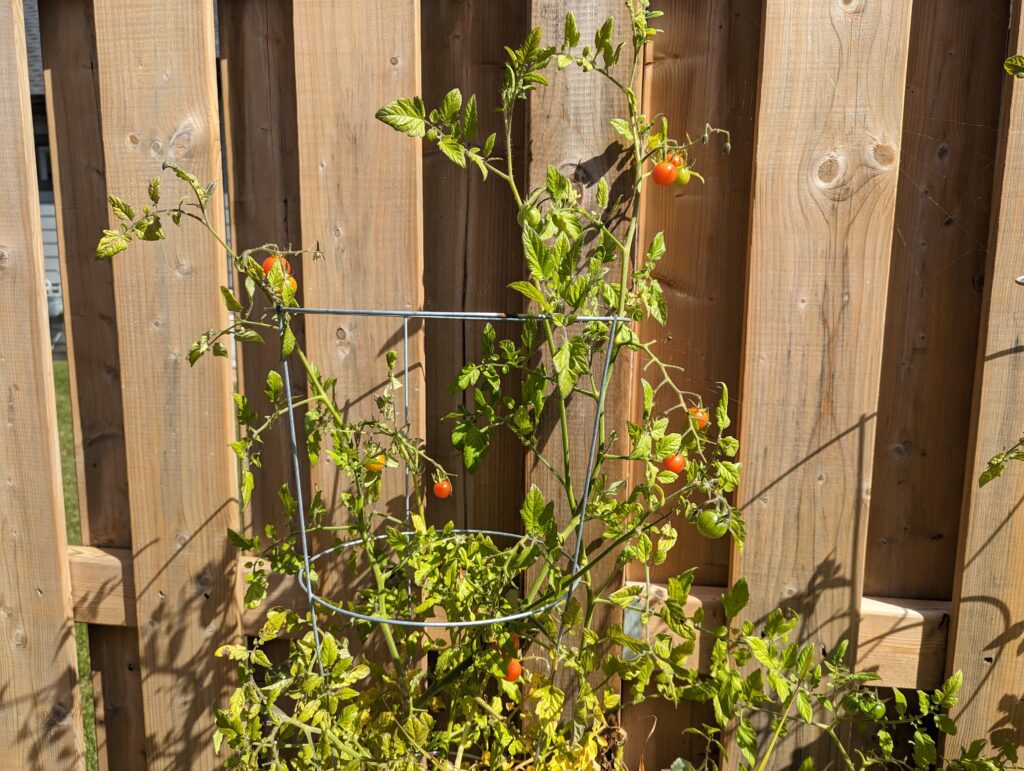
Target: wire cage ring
x=313 y=599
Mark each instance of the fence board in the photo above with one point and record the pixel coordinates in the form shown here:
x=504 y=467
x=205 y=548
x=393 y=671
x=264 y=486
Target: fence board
x=988 y=600
x=258 y=104
x=471 y=247
x=76 y=157
x=821 y=231
x=931 y=335
x=703 y=68
x=568 y=124
x=158 y=101
x=40 y=719
x=361 y=198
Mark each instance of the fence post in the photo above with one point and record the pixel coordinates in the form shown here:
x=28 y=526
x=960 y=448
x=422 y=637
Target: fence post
x=40 y=718
x=988 y=600
x=826 y=157
x=158 y=100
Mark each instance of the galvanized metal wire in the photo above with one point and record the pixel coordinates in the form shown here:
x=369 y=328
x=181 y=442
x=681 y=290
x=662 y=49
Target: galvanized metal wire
x=314 y=599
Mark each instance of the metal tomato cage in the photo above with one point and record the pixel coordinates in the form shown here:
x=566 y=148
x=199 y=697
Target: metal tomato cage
x=315 y=600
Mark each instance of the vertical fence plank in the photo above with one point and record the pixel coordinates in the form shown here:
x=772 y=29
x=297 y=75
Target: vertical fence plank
x=76 y=153
x=158 y=101
x=471 y=246
x=361 y=197
x=258 y=97
x=954 y=80
x=825 y=167
x=40 y=720
x=988 y=600
x=703 y=68
x=568 y=128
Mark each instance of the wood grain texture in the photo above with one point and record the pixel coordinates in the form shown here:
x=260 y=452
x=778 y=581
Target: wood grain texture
x=76 y=158
x=257 y=67
x=568 y=124
x=361 y=197
x=951 y=118
x=103 y=589
x=703 y=69
x=904 y=641
x=472 y=248
x=158 y=100
x=988 y=599
x=826 y=158
x=40 y=717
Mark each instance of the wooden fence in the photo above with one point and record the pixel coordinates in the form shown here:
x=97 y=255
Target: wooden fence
x=848 y=269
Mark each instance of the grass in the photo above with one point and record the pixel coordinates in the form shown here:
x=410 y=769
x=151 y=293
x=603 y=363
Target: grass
x=74 y=523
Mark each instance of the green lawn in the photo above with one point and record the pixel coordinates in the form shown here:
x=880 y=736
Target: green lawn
x=74 y=520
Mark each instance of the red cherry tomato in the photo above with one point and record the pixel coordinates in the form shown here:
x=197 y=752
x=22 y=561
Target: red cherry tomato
x=268 y=264
x=664 y=173
x=513 y=671
x=675 y=463
x=443 y=488
x=676 y=160
x=700 y=417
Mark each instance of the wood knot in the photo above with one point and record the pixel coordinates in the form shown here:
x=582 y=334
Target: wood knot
x=831 y=175
x=850 y=6
x=5 y=258
x=882 y=155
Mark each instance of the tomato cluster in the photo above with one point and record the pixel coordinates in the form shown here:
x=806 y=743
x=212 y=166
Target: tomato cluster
x=268 y=265
x=672 y=170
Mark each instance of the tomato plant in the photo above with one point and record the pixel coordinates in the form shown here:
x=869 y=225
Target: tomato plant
x=542 y=691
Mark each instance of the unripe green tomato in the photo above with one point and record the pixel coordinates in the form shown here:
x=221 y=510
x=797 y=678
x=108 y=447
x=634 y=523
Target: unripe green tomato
x=682 y=176
x=529 y=215
x=710 y=526
x=878 y=711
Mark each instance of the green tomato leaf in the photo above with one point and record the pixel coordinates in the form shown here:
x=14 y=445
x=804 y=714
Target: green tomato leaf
x=623 y=129
x=451 y=105
x=602 y=193
x=287 y=342
x=470 y=121
x=122 y=209
x=571 y=34
x=112 y=242
x=1014 y=65
x=230 y=301
x=530 y=292
x=452 y=150
x=722 y=410
x=736 y=599
x=407 y=115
